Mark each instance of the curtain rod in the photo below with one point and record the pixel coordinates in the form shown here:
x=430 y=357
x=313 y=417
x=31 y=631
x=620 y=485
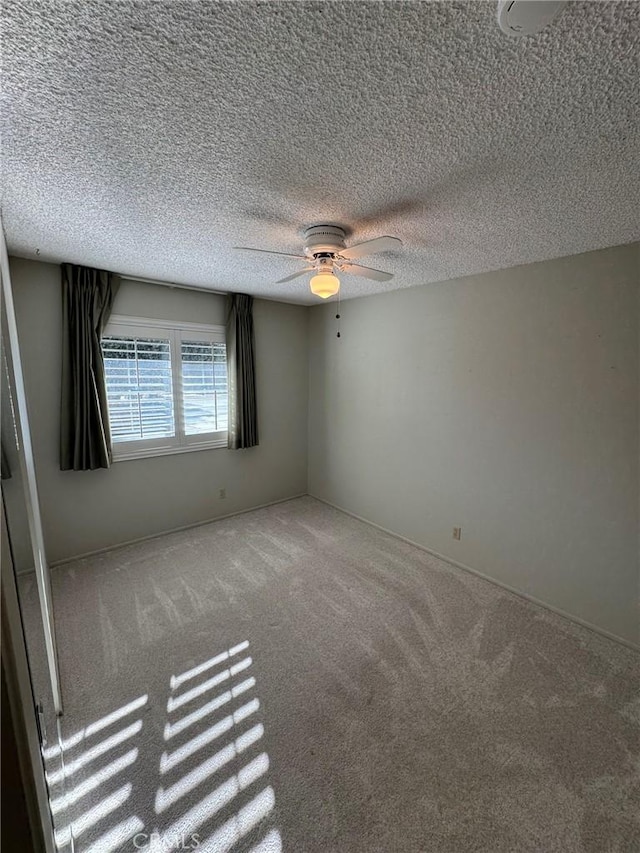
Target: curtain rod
x=172 y=284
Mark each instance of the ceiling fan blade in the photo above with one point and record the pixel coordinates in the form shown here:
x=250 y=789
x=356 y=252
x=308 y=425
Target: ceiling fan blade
x=269 y=252
x=295 y=275
x=366 y=272
x=380 y=244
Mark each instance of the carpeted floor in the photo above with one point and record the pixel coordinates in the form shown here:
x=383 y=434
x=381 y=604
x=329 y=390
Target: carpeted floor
x=295 y=679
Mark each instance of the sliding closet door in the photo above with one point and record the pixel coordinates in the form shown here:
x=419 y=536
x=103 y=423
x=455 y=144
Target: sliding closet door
x=20 y=499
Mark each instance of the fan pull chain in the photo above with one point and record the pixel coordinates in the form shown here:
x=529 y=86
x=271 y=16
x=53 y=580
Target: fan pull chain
x=338 y=316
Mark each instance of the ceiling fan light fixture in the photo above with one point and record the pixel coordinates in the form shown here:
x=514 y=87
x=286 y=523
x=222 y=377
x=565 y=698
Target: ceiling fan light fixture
x=324 y=285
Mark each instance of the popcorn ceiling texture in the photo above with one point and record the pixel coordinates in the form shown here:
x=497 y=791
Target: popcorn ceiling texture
x=150 y=137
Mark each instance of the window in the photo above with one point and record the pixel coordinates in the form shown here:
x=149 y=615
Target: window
x=166 y=386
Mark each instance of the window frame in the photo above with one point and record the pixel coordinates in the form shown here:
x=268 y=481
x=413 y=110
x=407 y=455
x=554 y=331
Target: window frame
x=175 y=333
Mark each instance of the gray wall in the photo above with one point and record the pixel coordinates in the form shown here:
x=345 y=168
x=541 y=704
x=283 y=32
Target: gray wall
x=88 y=510
x=505 y=403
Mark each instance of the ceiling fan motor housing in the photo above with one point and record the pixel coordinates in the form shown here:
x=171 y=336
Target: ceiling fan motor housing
x=527 y=17
x=324 y=240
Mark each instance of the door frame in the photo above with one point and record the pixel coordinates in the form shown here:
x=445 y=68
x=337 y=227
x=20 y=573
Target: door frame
x=27 y=465
x=23 y=712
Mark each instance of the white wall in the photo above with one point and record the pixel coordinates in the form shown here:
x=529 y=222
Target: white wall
x=505 y=403
x=87 y=510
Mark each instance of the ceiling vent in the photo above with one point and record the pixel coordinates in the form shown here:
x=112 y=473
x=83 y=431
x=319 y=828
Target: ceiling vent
x=527 y=17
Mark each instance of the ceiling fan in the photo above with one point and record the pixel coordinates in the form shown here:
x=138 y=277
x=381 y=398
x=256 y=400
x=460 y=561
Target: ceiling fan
x=325 y=253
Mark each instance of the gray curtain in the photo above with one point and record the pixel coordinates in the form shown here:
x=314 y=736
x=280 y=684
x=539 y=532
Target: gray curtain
x=243 y=417
x=87 y=298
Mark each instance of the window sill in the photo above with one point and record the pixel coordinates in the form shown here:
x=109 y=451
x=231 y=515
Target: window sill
x=169 y=450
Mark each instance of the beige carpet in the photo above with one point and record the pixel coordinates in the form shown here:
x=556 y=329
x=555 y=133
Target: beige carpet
x=292 y=679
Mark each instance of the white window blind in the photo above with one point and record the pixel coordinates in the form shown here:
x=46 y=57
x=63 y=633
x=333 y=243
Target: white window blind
x=166 y=386
x=139 y=387
x=204 y=386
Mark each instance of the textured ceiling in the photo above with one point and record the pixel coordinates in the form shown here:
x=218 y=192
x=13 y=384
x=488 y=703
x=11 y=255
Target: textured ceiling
x=150 y=137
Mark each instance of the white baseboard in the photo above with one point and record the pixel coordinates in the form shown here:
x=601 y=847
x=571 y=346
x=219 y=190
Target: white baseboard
x=526 y=596
x=109 y=548
x=532 y=599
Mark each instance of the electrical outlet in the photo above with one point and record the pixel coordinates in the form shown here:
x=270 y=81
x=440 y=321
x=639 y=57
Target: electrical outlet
x=222 y=494
x=457 y=533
